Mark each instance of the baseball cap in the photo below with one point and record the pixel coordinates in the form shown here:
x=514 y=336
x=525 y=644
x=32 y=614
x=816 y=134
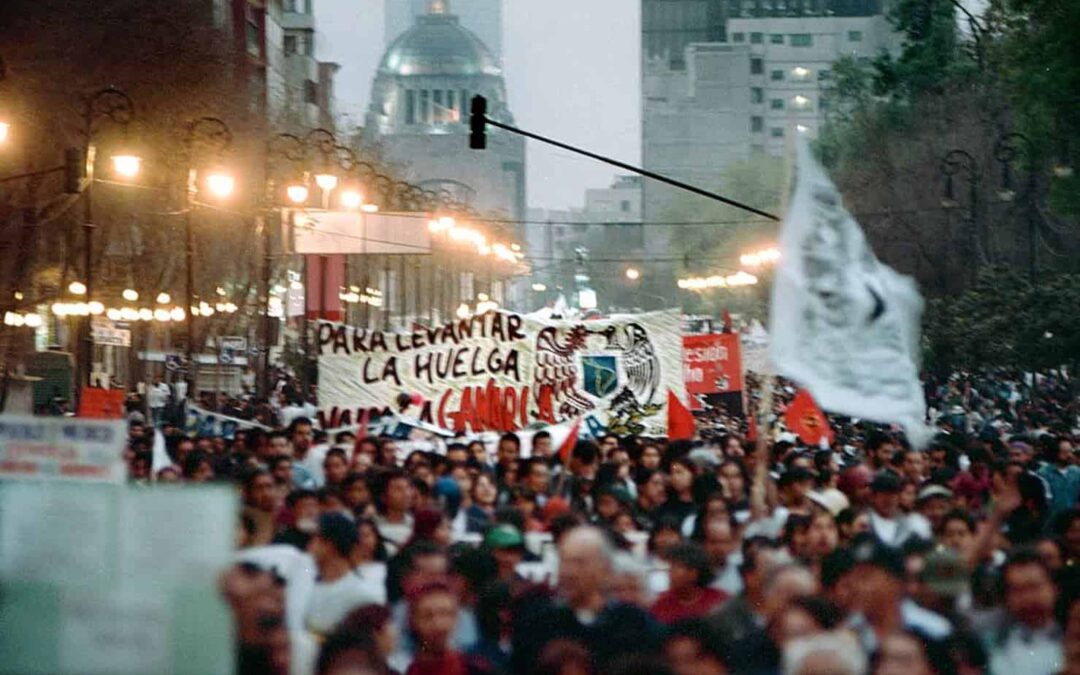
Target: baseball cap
x=931 y=491
x=945 y=574
x=886 y=481
x=339 y=530
x=504 y=536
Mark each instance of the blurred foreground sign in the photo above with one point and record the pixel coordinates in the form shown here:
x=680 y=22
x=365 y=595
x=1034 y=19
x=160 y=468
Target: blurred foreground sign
x=63 y=448
x=109 y=579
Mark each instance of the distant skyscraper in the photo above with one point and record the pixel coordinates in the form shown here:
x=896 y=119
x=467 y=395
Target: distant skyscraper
x=668 y=26
x=482 y=17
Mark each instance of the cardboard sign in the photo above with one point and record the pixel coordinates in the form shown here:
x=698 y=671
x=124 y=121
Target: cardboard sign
x=501 y=371
x=102 y=404
x=63 y=448
x=712 y=364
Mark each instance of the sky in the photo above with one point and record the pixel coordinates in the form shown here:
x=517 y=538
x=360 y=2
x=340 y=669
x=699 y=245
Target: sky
x=572 y=71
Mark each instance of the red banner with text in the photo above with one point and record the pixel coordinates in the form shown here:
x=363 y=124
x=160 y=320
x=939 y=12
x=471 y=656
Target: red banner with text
x=712 y=364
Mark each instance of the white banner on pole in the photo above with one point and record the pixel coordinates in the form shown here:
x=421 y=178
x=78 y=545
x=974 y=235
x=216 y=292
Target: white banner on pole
x=504 y=372
x=842 y=324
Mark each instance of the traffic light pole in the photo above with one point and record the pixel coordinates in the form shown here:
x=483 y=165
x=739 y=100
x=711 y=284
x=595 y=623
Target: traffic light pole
x=479 y=119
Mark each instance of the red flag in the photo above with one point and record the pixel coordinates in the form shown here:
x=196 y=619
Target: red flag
x=567 y=445
x=805 y=419
x=680 y=422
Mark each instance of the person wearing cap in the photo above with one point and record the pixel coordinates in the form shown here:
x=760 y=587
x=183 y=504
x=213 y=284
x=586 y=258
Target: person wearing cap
x=891 y=526
x=877 y=600
x=507 y=546
x=932 y=503
x=338 y=590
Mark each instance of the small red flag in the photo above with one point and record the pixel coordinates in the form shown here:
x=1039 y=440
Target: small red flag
x=680 y=421
x=567 y=445
x=805 y=419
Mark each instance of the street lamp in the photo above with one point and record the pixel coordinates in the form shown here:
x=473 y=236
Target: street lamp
x=212 y=136
x=1006 y=150
x=633 y=274
x=961 y=163
x=127 y=166
x=352 y=199
x=297 y=193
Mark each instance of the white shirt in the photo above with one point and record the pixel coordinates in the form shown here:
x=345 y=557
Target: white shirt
x=1029 y=652
x=331 y=602
x=895 y=531
x=374 y=574
x=395 y=533
x=158 y=395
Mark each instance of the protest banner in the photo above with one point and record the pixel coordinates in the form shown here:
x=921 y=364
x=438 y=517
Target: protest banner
x=204 y=423
x=842 y=324
x=712 y=364
x=112 y=579
x=103 y=404
x=500 y=371
x=62 y=448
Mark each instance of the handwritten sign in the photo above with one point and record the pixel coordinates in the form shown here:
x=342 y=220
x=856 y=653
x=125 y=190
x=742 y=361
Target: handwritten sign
x=501 y=371
x=62 y=448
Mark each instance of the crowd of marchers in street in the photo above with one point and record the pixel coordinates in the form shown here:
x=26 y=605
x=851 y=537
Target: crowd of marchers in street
x=369 y=555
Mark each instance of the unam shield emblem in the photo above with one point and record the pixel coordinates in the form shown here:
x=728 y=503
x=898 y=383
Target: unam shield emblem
x=601 y=375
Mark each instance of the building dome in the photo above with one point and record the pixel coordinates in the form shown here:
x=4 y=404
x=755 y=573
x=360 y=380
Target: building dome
x=438 y=45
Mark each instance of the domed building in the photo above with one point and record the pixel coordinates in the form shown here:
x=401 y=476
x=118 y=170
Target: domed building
x=420 y=114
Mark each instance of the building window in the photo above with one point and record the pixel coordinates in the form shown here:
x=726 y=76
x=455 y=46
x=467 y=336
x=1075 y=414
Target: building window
x=437 y=106
x=854 y=36
x=624 y=206
x=776 y=104
x=311 y=91
x=308 y=7
x=824 y=75
x=307 y=43
x=776 y=39
x=757 y=95
x=757 y=66
x=290 y=45
x=755 y=38
x=738 y=37
x=410 y=106
x=288 y=6
x=425 y=107
x=253 y=27
x=757 y=124
x=776 y=75
x=802 y=40
x=776 y=132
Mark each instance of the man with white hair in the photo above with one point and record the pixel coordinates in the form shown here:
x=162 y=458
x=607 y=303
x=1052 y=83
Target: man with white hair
x=584 y=611
x=825 y=654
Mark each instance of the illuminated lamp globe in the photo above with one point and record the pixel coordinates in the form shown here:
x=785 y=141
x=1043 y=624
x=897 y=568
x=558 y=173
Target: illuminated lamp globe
x=326 y=181
x=126 y=165
x=351 y=199
x=220 y=184
x=297 y=194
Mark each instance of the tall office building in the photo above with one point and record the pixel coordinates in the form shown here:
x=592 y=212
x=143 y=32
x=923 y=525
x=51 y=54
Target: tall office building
x=668 y=26
x=481 y=17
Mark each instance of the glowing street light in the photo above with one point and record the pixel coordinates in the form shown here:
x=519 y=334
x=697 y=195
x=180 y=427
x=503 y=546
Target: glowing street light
x=127 y=166
x=760 y=258
x=130 y=294
x=4 y=129
x=164 y=298
x=370 y=208
x=326 y=181
x=633 y=273
x=220 y=184
x=297 y=193
x=351 y=199
x=77 y=288
x=539 y=288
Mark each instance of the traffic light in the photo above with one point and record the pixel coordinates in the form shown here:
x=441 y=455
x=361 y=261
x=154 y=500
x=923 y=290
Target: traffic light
x=74 y=170
x=478 y=123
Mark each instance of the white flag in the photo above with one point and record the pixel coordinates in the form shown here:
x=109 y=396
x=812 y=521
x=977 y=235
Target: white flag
x=844 y=325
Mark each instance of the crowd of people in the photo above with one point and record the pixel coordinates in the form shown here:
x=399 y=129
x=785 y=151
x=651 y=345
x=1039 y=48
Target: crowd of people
x=357 y=555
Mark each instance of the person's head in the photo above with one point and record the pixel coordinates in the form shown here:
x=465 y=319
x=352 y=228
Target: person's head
x=650 y=457
x=507 y=545
x=682 y=475
x=933 y=503
x=484 y=491
x=260 y=491
x=795 y=484
x=855 y=484
x=822 y=536
x=958 y=531
x=806 y=616
x=689 y=567
x=885 y=494
x=852 y=522
x=835 y=653
x=608 y=443
x=911 y=464
x=732 y=479
x=1030 y=592
x=369 y=542
x=1062 y=451
x=397 y=494
x=433 y=612
x=300 y=433
x=879 y=576
x=629 y=580
x=584 y=565
x=907 y=652
x=537 y=476
x=652 y=487
x=541 y=445
x=509 y=449
x=783 y=584
x=584 y=459
x=367 y=448
x=334 y=541
x=374 y=621
x=335 y=466
x=388 y=453
x=304 y=507
x=690 y=648
x=355 y=492
x=667 y=533
x=760 y=556
x=564 y=657
x=880 y=449
x=424 y=562
x=719 y=539
x=198 y=467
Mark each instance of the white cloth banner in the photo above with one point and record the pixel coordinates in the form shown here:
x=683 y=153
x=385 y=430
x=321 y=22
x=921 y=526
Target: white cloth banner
x=842 y=324
x=504 y=372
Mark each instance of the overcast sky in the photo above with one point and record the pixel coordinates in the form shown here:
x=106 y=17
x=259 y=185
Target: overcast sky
x=572 y=70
